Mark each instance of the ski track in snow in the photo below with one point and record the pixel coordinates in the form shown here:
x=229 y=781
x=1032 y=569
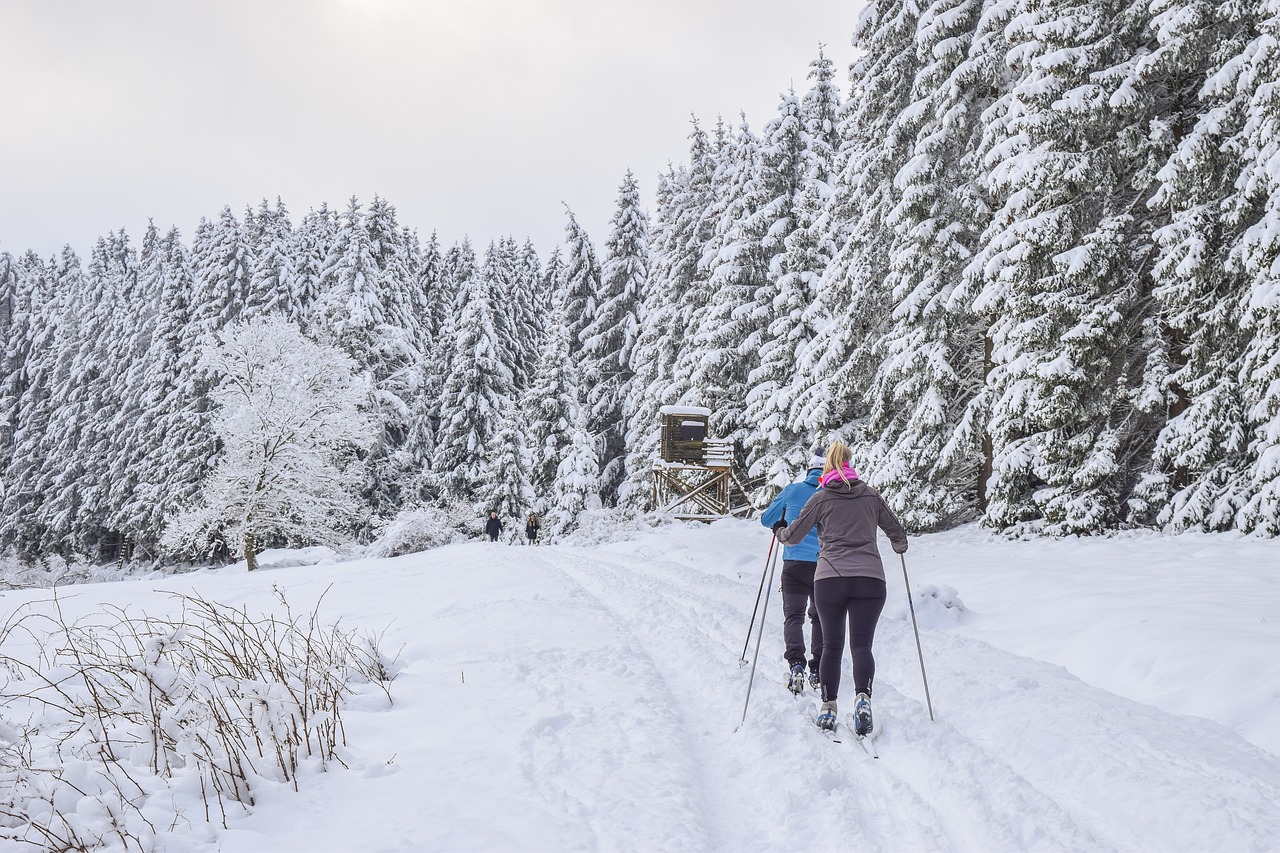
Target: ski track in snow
x=1023 y=755
x=588 y=699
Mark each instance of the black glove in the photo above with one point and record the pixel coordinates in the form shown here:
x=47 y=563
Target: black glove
x=780 y=524
x=900 y=547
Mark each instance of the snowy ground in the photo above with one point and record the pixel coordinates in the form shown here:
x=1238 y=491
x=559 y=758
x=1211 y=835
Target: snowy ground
x=1111 y=694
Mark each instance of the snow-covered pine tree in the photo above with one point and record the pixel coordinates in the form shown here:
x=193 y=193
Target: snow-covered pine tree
x=535 y=302
x=611 y=337
x=685 y=247
x=775 y=450
x=106 y=351
x=548 y=405
x=653 y=360
x=429 y=305
x=835 y=369
x=503 y=484
x=820 y=110
x=312 y=245
x=787 y=199
x=581 y=282
x=222 y=261
x=720 y=303
x=924 y=453
x=174 y=408
x=1257 y=254
x=501 y=280
x=362 y=309
x=1199 y=460
x=1064 y=267
x=130 y=429
x=273 y=288
x=61 y=453
x=476 y=390
x=577 y=486
x=29 y=356
x=291 y=416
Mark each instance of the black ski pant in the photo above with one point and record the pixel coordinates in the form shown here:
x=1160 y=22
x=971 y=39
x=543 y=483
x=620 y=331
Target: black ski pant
x=797 y=595
x=858 y=600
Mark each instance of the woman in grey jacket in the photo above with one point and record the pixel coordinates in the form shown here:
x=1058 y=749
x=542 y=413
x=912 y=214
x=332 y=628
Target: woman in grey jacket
x=849 y=584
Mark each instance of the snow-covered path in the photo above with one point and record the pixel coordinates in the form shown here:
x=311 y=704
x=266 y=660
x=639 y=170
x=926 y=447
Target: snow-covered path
x=586 y=699
x=572 y=698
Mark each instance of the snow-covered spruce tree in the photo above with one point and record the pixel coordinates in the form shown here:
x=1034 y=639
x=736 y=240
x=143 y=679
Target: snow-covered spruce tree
x=273 y=288
x=820 y=110
x=775 y=449
x=795 y=251
x=364 y=309
x=430 y=303
x=501 y=280
x=8 y=296
x=1064 y=271
x=611 y=337
x=1257 y=253
x=174 y=410
x=835 y=369
x=104 y=353
x=30 y=359
x=292 y=415
x=62 y=459
x=534 y=303
x=680 y=244
x=652 y=363
x=548 y=407
x=581 y=282
x=131 y=428
x=724 y=323
x=503 y=485
x=222 y=261
x=476 y=391
x=577 y=483
x=312 y=244
x=1199 y=460
x=924 y=454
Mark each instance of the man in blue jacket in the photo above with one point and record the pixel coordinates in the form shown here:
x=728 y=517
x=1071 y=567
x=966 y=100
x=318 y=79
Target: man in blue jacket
x=798 y=565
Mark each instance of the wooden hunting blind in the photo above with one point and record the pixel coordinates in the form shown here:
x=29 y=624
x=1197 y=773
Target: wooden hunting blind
x=693 y=477
x=684 y=434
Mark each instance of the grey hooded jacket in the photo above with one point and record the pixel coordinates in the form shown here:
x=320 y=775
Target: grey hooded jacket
x=847 y=515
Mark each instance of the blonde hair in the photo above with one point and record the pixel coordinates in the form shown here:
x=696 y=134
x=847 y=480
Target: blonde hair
x=838 y=456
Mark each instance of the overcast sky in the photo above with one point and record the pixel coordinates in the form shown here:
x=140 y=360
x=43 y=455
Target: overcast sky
x=473 y=117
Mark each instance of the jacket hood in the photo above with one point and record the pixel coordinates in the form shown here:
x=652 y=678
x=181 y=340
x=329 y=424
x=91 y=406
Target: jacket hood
x=855 y=489
x=840 y=475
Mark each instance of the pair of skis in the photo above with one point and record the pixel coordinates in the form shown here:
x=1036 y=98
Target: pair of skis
x=866 y=742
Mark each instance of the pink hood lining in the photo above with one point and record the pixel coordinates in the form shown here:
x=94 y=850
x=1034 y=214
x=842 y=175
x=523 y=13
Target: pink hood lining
x=845 y=472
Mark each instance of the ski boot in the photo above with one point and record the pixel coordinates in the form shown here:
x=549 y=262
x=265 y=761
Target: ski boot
x=814 y=681
x=795 y=679
x=826 y=718
x=862 y=715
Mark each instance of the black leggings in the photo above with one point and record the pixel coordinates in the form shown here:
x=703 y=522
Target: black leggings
x=859 y=600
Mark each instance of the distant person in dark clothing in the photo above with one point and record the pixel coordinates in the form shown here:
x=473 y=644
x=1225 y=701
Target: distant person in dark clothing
x=493 y=527
x=531 y=528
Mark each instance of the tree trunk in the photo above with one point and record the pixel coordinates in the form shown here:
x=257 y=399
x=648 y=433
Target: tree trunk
x=250 y=554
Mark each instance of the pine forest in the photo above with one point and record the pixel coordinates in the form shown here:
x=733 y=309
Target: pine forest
x=1023 y=257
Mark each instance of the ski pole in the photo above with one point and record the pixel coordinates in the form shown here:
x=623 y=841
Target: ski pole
x=916 y=629
x=743 y=658
x=759 y=634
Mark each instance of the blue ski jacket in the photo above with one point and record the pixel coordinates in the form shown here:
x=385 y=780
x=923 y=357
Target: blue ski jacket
x=790 y=501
